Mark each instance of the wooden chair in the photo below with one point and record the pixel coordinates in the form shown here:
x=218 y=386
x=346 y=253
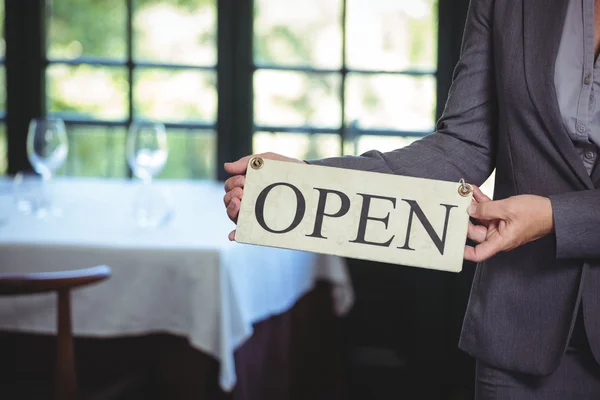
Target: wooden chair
x=63 y=282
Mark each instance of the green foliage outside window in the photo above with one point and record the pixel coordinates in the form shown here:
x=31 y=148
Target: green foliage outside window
x=306 y=33
x=97 y=29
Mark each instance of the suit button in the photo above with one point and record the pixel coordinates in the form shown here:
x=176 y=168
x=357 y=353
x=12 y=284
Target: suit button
x=581 y=127
x=590 y=155
x=588 y=79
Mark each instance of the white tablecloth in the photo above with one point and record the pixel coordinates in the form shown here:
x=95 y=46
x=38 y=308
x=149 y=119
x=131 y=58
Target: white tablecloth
x=185 y=278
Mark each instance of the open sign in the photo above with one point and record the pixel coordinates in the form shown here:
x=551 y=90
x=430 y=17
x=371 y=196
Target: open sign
x=356 y=214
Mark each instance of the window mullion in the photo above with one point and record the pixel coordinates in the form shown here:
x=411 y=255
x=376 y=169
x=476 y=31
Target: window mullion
x=235 y=117
x=451 y=21
x=25 y=35
x=130 y=66
x=344 y=72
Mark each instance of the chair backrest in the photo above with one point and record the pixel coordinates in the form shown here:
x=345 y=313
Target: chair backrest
x=41 y=282
x=61 y=282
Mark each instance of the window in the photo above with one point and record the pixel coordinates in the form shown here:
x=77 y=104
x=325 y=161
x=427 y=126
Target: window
x=310 y=79
x=113 y=61
x=343 y=76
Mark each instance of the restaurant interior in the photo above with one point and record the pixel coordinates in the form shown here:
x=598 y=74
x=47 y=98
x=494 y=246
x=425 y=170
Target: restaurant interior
x=117 y=278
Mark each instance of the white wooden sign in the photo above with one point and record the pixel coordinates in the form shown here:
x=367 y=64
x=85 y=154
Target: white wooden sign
x=355 y=214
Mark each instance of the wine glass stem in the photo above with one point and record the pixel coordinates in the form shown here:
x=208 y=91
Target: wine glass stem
x=46 y=178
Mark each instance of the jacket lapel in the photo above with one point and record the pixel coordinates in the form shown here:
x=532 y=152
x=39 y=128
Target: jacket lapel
x=543 y=22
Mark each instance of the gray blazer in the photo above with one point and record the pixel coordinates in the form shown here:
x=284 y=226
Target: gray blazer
x=502 y=112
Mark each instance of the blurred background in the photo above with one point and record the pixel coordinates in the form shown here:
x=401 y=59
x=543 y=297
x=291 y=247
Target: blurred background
x=227 y=78
x=308 y=79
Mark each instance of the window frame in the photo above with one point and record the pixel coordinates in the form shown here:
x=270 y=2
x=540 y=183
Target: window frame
x=345 y=132
x=131 y=65
x=26 y=63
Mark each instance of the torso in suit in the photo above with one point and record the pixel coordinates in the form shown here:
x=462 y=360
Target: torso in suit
x=503 y=112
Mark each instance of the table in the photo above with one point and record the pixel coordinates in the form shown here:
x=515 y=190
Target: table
x=185 y=278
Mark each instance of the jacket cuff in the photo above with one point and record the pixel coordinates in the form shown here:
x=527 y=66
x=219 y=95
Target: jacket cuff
x=577 y=224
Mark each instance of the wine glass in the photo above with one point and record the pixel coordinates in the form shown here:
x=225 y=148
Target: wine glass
x=147 y=149
x=47 y=145
x=147 y=154
x=47 y=149
x=6 y=202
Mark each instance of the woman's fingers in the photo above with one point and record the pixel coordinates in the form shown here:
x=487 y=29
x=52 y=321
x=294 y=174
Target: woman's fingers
x=479 y=196
x=237 y=167
x=476 y=233
x=235 y=181
x=237 y=193
x=233 y=209
x=487 y=249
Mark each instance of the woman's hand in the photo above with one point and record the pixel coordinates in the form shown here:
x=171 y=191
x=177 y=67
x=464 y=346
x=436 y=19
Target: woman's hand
x=234 y=186
x=506 y=224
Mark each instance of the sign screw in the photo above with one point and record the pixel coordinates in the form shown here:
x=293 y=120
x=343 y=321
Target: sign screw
x=464 y=189
x=257 y=163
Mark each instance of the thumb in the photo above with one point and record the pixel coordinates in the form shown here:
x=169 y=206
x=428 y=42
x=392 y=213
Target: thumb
x=479 y=196
x=488 y=210
x=237 y=167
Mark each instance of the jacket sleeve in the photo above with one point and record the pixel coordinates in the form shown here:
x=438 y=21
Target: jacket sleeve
x=463 y=145
x=577 y=224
